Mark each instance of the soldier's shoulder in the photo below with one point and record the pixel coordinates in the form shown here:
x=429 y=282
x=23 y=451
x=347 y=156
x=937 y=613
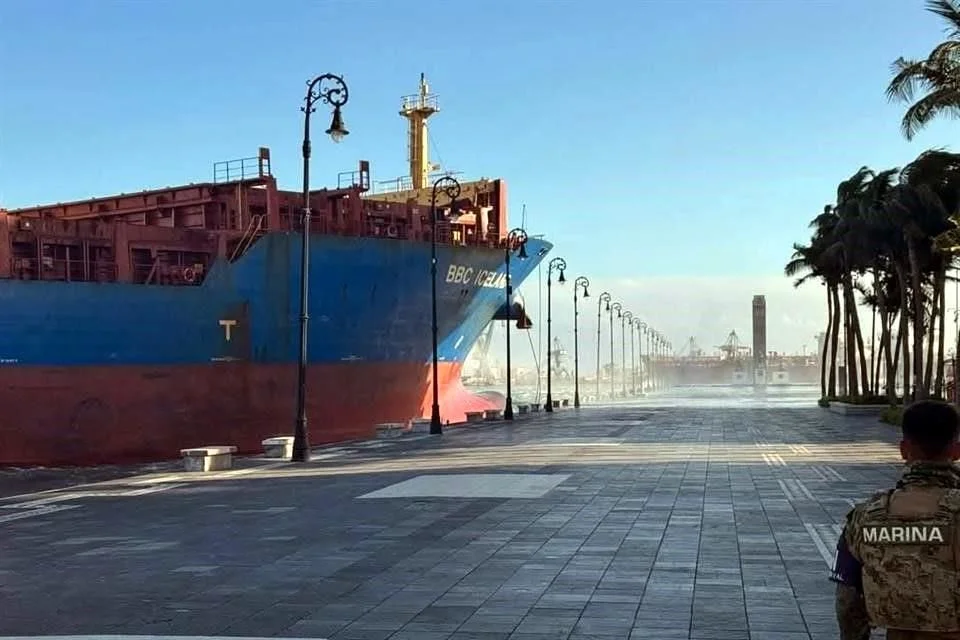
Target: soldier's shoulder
x=951 y=500
x=860 y=508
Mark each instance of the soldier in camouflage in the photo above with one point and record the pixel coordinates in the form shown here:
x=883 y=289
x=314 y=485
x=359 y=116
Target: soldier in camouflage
x=898 y=558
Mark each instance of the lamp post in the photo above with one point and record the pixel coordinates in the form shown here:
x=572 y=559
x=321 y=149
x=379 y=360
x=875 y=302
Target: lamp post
x=516 y=239
x=560 y=265
x=652 y=340
x=332 y=90
x=604 y=300
x=451 y=188
x=641 y=332
x=633 y=356
x=656 y=360
x=577 y=284
x=625 y=317
x=616 y=306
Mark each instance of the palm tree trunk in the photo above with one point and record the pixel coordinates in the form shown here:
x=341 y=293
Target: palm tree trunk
x=834 y=339
x=894 y=357
x=886 y=357
x=903 y=333
x=826 y=347
x=942 y=286
x=849 y=340
x=931 y=336
x=858 y=335
x=873 y=352
x=919 y=392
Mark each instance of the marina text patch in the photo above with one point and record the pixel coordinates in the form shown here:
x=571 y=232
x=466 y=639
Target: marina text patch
x=906 y=534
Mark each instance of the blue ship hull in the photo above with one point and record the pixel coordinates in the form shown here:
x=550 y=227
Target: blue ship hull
x=110 y=372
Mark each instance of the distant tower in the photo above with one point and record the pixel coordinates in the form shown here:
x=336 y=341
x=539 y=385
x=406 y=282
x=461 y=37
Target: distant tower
x=760 y=339
x=416 y=109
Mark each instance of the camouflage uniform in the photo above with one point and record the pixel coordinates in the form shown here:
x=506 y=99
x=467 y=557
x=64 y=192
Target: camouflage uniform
x=903 y=578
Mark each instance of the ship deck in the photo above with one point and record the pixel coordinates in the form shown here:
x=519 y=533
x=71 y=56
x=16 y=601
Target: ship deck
x=367 y=542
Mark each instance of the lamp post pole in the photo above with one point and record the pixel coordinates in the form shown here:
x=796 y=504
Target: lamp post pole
x=633 y=360
x=641 y=332
x=625 y=317
x=451 y=188
x=560 y=265
x=516 y=239
x=616 y=306
x=656 y=360
x=332 y=90
x=577 y=284
x=650 y=378
x=604 y=299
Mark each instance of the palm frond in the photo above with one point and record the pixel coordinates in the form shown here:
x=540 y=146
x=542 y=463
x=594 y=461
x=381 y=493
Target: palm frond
x=949 y=10
x=922 y=112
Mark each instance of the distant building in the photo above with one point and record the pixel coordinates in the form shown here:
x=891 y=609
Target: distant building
x=760 y=339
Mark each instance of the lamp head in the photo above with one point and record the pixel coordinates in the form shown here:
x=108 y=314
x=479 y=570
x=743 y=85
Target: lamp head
x=561 y=279
x=337 y=131
x=523 y=250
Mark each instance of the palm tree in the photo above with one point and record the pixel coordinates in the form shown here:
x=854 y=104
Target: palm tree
x=805 y=265
x=922 y=205
x=821 y=260
x=895 y=227
x=937 y=77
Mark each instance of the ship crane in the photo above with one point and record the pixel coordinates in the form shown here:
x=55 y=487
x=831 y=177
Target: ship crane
x=690 y=349
x=559 y=359
x=732 y=349
x=484 y=369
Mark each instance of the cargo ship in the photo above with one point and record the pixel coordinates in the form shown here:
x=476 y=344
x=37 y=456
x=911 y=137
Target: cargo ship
x=138 y=324
x=734 y=365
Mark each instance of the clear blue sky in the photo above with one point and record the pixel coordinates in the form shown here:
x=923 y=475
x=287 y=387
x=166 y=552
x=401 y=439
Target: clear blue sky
x=646 y=138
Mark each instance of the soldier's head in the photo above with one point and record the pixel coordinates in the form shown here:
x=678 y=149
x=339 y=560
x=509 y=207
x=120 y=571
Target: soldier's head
x=930 y=430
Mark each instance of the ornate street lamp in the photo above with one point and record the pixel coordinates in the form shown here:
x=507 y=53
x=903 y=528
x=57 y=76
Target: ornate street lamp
x=616 y=306
x=451 y=188
x=603 y=304
x=558 y=264
x=579 y=283
x=516 y=241
x=332 y=90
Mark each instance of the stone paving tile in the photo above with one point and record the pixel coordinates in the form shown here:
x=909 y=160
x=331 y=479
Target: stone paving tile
x=707 y=518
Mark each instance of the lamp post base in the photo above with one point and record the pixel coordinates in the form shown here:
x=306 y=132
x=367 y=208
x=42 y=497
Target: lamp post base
x=576 y=399
x=436 y=428
x=548 y=407
x=508 y=409
x=301 y=450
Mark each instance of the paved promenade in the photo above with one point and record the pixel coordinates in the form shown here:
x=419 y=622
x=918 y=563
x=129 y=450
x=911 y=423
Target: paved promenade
x=709 y=517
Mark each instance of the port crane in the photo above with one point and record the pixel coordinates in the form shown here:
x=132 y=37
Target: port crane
x=483 y=368
x=559 y=360
x=690 y=349
x=732 y=349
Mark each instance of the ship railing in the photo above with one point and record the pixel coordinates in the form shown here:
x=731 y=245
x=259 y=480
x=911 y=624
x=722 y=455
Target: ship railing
x=419 y=102
x=63 y=269
x=405 y=183
x=387 y=227
x=241 y=169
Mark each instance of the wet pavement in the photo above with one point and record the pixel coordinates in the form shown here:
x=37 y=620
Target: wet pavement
x=701 y=514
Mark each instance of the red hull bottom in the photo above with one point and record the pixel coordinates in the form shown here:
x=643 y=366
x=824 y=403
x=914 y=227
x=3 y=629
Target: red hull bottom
x=119 y=415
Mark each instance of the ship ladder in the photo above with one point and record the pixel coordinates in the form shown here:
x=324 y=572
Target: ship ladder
x=251 y=233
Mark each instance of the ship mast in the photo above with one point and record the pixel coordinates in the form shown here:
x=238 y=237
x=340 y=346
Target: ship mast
x=416 y=109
